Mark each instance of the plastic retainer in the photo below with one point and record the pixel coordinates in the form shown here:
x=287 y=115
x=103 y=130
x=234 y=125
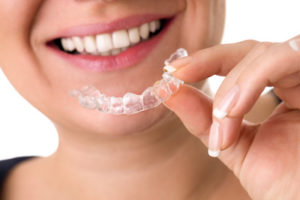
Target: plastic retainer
x=91 y=98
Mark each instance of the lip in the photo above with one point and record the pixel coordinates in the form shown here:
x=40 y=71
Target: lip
x=125 y=59
x=109 y=27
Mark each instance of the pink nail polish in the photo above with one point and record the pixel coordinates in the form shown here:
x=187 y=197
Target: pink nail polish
x=215 y=140
x=226 y=104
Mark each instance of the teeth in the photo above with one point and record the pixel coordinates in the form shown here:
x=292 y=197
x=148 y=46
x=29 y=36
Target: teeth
x=115 y=52
x=67 y=44
x=152 y=26
x=77 y=41
x=157 y=24
x=144 y=31
x=104 y=42
x=89 y=44
x=105 y=53
x=120 y=39
x=110 y=44
x=134 y=35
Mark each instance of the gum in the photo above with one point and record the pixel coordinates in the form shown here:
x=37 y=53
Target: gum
x=91 y=98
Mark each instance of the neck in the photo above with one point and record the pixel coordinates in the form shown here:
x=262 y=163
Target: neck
x=155 y=160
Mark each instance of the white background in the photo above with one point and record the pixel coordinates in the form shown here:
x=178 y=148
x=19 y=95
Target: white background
x=24 y=131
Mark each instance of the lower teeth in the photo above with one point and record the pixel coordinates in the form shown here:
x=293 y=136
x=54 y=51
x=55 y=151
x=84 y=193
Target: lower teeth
x=112 y=52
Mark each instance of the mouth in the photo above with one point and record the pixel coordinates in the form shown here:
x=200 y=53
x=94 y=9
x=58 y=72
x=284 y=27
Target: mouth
x=118 y=45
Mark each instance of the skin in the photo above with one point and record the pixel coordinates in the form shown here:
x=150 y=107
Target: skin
x=151 y=154
x=255 y=153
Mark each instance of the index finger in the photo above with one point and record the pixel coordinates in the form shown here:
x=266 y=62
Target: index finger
x=217 y=60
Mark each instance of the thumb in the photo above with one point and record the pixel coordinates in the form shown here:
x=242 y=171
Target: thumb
x=194 y=109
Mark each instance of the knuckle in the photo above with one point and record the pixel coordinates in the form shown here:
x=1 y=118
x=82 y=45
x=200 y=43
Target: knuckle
x=263 y=46
x=250 y=42
x=279 y=55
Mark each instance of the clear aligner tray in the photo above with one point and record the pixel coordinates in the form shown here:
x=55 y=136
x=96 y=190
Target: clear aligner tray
x=91 y=98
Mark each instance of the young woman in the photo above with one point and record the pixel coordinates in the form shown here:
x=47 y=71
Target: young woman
x=51 y=47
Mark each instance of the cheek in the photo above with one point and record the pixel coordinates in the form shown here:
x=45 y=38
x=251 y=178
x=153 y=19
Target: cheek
x=196 y=24
x=18 y=15
x=15 y=30
x=16 y=57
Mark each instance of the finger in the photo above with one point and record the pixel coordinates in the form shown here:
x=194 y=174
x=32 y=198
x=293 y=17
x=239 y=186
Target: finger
x=223 y=133
x=194 y=109
x=292 y=94
x=289 y=81
x=280 y=109
x=247 y=86
x=277 y=63
x=217 y=60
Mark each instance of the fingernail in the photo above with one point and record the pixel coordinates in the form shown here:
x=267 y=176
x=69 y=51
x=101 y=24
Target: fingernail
x=226 y=104
x=295 y=44
x=215 y=140
x=169 y=68
x=177 y=64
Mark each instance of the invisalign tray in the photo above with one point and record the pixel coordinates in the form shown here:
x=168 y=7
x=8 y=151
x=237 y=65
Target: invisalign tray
x=91 y=98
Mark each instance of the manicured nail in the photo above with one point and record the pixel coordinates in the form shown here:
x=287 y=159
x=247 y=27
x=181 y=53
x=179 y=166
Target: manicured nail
x=215 y=140
x=295 y=44
x=226 y=104
x=179 y=63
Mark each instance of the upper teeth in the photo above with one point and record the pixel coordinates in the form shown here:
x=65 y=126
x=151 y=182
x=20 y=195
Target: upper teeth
x=110 y=43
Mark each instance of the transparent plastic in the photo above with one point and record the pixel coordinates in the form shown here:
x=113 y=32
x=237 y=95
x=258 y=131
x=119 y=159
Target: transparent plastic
x=179 y=53
x=91 y=98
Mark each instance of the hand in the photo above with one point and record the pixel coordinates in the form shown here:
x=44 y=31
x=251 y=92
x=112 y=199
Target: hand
x=265 y=157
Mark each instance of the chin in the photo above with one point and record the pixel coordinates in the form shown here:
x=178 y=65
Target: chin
x=94 y=122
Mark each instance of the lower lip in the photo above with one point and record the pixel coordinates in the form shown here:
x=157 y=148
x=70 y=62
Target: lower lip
x=125 y=59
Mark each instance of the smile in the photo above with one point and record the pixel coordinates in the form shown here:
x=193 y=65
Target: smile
x=111 y=46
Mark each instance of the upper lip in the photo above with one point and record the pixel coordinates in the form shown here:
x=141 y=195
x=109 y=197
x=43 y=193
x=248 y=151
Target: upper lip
x=108 y=27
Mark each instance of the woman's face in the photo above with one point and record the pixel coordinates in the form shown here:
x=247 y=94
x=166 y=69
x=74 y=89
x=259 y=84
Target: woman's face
x=44 y=74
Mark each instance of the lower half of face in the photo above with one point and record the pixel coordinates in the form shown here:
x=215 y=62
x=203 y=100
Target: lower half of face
x=51 y=47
